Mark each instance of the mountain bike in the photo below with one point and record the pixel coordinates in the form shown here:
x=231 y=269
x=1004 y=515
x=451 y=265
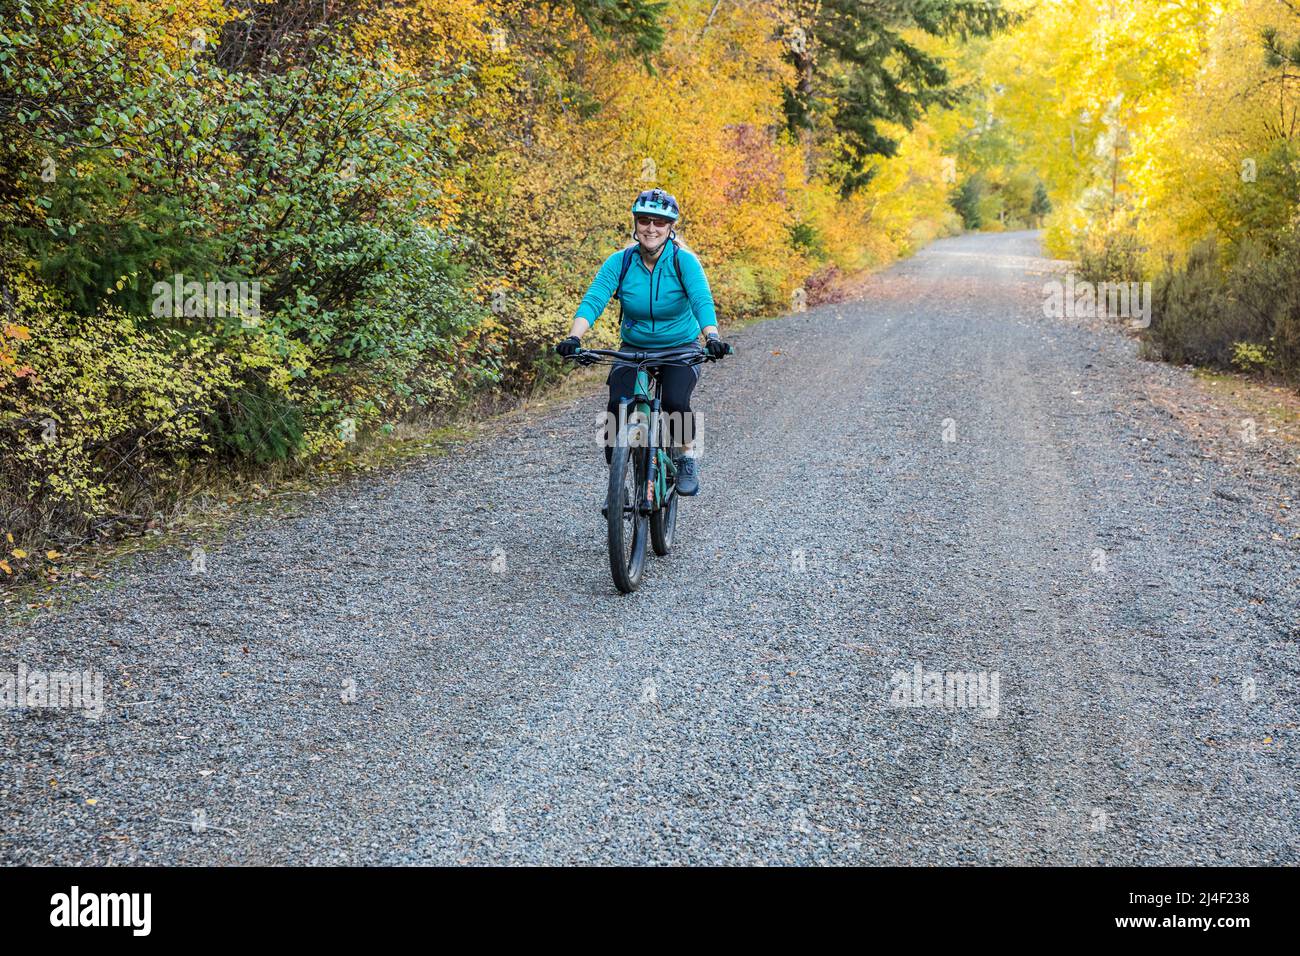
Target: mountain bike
x=641 y=501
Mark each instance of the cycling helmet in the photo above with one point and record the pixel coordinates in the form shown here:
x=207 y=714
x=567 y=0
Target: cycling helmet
x=656 y=202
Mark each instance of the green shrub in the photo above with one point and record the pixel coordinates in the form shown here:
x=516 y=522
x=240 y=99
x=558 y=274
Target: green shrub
x=96 y=409
x=1242 y=315
x=1265 y=288
x=1110 y=255
x=314 y=176
x=1250 y=357
x=1190 y=320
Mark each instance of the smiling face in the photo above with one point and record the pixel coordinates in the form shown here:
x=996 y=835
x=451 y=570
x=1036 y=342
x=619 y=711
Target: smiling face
x=652 y=231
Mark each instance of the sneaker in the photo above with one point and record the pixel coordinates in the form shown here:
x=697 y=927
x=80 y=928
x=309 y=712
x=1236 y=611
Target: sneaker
x=688 y=479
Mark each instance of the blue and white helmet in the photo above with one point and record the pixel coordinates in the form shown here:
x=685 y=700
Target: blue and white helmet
x=656 y=202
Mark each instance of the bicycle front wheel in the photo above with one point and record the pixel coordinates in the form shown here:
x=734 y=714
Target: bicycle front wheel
x=628 y=521
x=663 y=523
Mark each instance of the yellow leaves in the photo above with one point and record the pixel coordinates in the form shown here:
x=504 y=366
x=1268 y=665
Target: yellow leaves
x=102 y=380
x=1182 y=87
x=17 y=554
x=180 y=29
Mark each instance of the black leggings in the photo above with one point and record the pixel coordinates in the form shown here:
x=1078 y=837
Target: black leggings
x=679 y=382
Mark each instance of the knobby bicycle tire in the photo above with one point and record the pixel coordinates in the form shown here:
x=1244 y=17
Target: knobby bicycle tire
x=663 y=523
x=627 y=558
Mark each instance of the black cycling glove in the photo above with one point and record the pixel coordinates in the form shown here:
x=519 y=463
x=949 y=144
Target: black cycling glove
x=717 y=348
x=567 y=347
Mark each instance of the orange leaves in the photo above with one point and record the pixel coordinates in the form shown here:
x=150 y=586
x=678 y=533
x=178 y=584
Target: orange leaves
x=12 y=332
x=8 y=360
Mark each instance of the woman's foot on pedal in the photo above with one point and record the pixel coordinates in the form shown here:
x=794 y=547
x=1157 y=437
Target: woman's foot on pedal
x=688 y=479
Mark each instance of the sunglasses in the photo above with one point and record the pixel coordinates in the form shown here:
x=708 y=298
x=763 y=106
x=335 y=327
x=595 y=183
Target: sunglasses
x=647 y=221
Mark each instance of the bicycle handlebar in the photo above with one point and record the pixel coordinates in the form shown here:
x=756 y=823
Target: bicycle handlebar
x=687 y=355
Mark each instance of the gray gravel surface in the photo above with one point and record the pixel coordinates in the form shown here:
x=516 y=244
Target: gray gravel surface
x=1136 y=600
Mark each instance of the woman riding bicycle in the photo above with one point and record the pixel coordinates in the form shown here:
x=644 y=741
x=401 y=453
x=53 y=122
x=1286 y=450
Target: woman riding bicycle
x=665 y=303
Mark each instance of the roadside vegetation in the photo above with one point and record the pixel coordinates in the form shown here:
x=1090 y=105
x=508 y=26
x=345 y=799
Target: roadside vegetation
x=1167 y=136
x=241 y=239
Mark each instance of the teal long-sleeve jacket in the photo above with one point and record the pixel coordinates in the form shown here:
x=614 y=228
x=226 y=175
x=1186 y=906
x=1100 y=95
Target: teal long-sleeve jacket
x=658 y=310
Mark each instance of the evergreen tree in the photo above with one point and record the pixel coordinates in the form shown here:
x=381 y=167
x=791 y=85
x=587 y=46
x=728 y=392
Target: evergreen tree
x=1041 y=205
x=856 y=70
x=966 y=200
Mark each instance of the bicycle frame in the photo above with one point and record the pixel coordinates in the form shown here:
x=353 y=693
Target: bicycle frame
x=650 y=408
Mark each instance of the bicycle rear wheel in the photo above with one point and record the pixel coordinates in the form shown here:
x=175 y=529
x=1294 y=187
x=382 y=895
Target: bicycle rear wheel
x=628 y=522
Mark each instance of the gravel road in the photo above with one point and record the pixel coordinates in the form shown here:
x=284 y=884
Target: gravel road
x=433 y=666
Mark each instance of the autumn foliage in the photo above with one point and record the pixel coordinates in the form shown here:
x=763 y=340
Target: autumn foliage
x=417 y=192
x=1168 y=136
